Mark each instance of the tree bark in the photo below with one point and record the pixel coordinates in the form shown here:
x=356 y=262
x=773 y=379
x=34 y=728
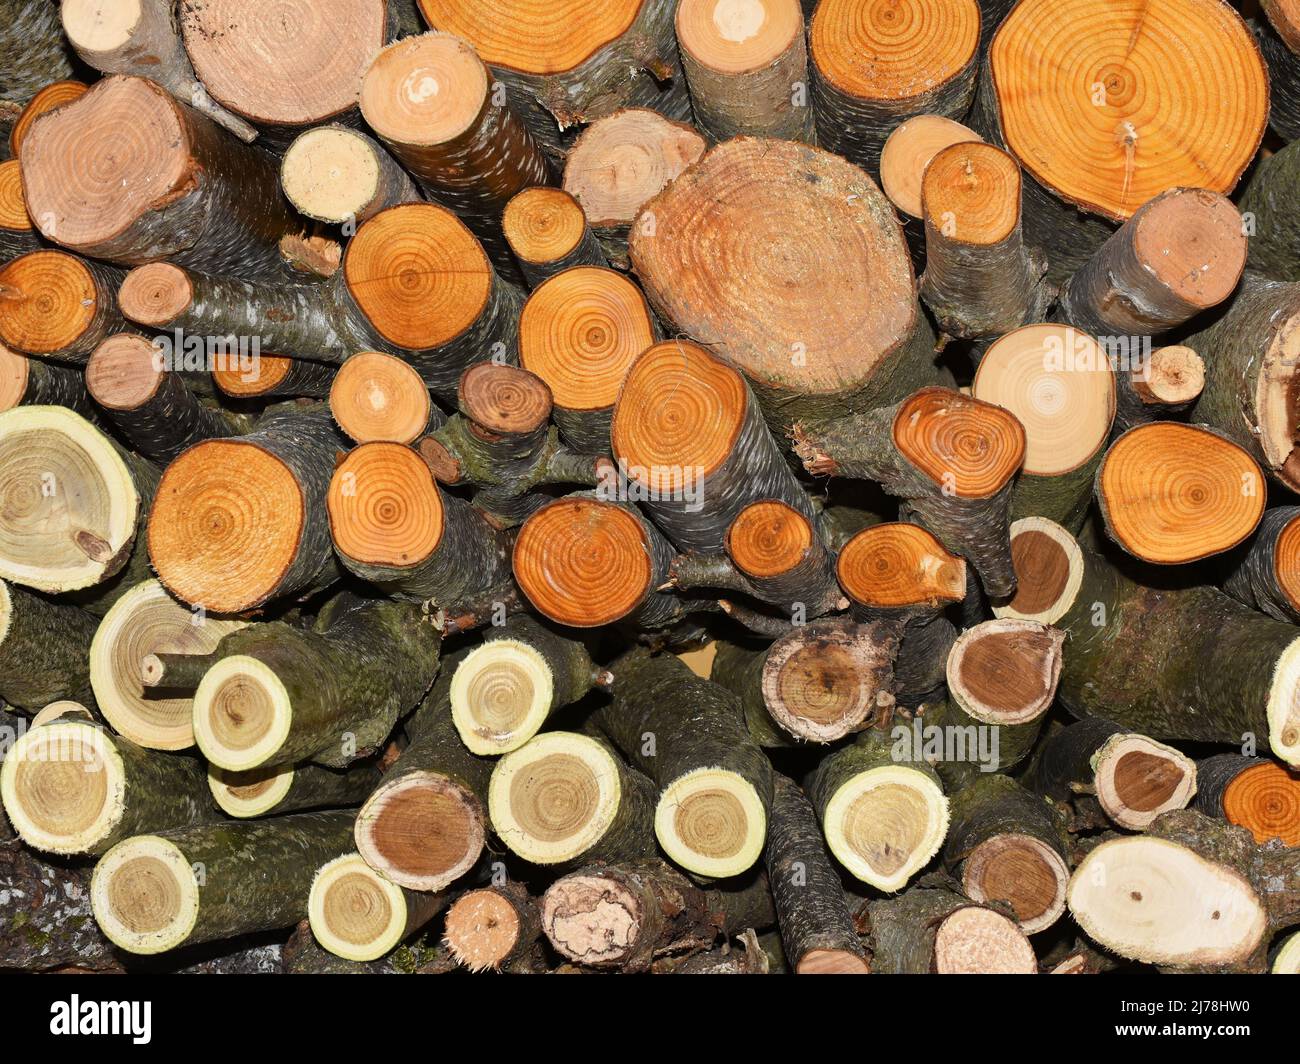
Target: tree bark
x=44 y=649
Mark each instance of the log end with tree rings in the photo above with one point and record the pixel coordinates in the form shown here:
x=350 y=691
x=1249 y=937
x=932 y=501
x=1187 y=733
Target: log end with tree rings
x=1005 y=671
x=712 y=822
x=1058 y=383
x=1022 y=871
x=971 y=448
x=97 y=26
x=768 y=539
x=978 y=941
x=1049 y=571
x=504 y=400
x=123 y=372
x=554 y=798
x=1265 y=799
x=321 y=54
x=1172 y=493
x=907 y=153
x=1093 y=100
x=331 y=174
x=583 y=563
x=425 y=90
x=13 y=204
x=145 y=895
x=1152 y=900
x=580 y=331
x=970 y=193
x=215 y=500
x=1192 y=242
x=146 y=620
x=376 y=397
x=234 y=380
x=385 y=509
x=354 y=912
x=249 y=794
x=620 y=162
x=823 y=680
x=53 y=95
x=156 y=294
x=543 y=225
x=1138 y=778
x=422 y=830
x=68 y=504
x=501 y=695
x=898 y=565
x=1174 y=376
x=242 y=713
x=64 y=787
x=14 y=375
x=418 y=275
x=737 y=36
x=49 y=302
x=885 y=824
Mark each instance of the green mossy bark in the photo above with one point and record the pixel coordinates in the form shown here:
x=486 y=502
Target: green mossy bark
x=317 y=787
x=903 y=929
x=573 y=673
x=1270 y=197
x=739 y=669
x=1013 y=742
x=995 y=804
x=1062 y=498
x=44 y=651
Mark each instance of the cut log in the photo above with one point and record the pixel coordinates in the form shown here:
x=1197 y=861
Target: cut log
x=332 y=693
x=1163 y=386
x=291 y=788
x=140 y=37
x=564 y=798
x=153 y=893
x=273 y=377
x=1267 y=575
x=884 y=818
x=34 y=50
x=1254 y=793
x=43 y=649
x=689 y=736
x=53 y=95
x=1171 y=493
x=619 y=164
x=203 y=199
x=898 y=570
x=746 y=64
x=31 y=382
x=17 y=235
x=950 y=458
x=72 y=787
x=980 y=278
x=1278 y=36
x=547 y=230
x=936 y=930
x=579 y=332
x=788 y=262
x=57 y=305
x=266 y=488
x=1058 y=382
x=875 y=64
x=378 y=397
x=358 y=915
x=1286 y=961
x=340 y=176
x=490 y=928
x=1009 y=845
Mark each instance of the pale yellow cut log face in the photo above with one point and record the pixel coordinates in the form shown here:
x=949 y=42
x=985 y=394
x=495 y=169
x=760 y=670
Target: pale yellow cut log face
x=145 y=895
x=354 y=912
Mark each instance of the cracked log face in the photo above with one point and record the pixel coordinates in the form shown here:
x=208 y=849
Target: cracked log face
x=1005 y=671
x=501 y=695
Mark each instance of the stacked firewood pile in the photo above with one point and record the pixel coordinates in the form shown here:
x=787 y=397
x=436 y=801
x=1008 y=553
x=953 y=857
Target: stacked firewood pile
x=725 y=486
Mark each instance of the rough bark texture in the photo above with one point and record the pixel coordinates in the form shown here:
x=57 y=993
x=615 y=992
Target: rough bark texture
x=31 y=40
x=1283 y=80
x=1213 y=775
x=1253 y=579
x=53 y=384
x=1267 y=203
x=1062 y=767
x=44 y=650
x=318 y=787
x=104 y=322
x=903 y=929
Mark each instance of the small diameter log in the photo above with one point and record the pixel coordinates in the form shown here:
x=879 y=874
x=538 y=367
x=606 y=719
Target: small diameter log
x=490 y=928
x=899 y=570
x=875 y=64
x=333 y=693
x=72 y=787
x=31 y=382
x=291 y=788
x=883 y=817
x=204 y=200
x=509 y=684
x=1271 y=228
x=1171 y=493
x=43 y=647
x=1010 y=846
x=585 y=562
x=34 y=50
x=17 y=235
x=1183 y=647
x=378 y=397
x=936 y=930
x=547 y=230
x=1267 y=575
x=1278 y=36
x=1179 y=254
x=574 y=62
x=579 y=332
x=358 y=915
x=265 y=489
x=55 y=94
x=1254 y=793
x=950 y=458
x=273 y=377
x=1134 y=778
x=340 y=176
x=432 y=102
x=284 y=68
x=393 y=526
x=76 y=501
x=148 y=403
x=425 y=824
x=57 y=305
x=1250 y=382
x=789 y=263
x=1163 y=386
x=619 y=164
x=817 y=683
x=690 y=438
x=816 y=928
x=1049 y=120
x=1058 y=383
x=746 y=64
x=980 y=278
x=140 y=37
x=624 y=916
x=689 y=736
x=152 y=893
x=147 y=621
x=1286 y=960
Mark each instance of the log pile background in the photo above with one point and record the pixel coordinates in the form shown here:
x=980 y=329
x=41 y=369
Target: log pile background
x=686 y=486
